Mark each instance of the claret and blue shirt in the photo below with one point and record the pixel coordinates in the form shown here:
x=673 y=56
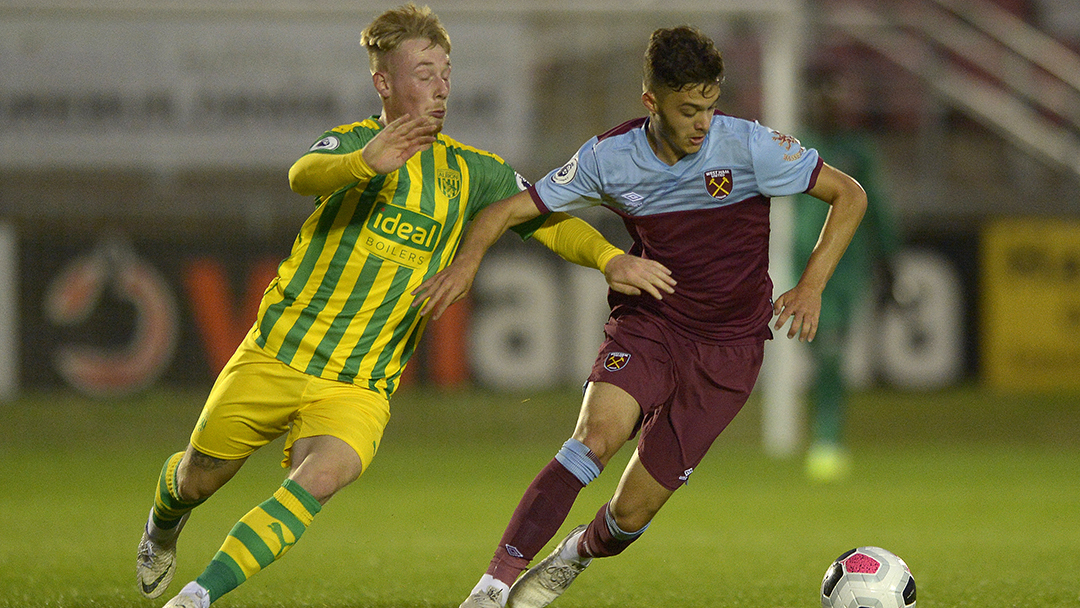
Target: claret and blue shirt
x=706 y=217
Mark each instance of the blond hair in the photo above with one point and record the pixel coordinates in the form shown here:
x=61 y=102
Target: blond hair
x=390 y=29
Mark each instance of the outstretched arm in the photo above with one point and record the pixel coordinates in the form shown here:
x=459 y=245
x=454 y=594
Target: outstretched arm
x=452 y=283
x=573 y=239
x=578 y=242
x=802 y=304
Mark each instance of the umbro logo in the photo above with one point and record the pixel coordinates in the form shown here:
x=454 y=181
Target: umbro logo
x=633 y=199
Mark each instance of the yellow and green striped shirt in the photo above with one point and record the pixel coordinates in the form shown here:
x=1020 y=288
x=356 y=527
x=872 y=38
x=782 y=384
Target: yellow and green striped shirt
x=340 y=307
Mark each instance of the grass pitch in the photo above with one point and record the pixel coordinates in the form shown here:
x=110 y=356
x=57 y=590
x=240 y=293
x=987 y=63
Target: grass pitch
x=978 y=492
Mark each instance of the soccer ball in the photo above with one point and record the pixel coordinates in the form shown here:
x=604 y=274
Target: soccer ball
x=868 y=577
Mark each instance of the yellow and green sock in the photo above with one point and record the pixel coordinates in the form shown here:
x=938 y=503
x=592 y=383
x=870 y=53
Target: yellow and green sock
x=169 y=508
x=260 y=538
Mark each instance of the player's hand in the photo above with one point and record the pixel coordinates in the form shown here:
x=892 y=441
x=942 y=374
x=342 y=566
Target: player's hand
x=803 y=306
x=398 y=142
x=447 y=286
x=632 y=275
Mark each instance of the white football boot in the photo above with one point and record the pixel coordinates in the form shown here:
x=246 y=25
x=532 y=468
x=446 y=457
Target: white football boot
x=156 y=563
x=191 y=596
x=544 y=582
x=488 y=597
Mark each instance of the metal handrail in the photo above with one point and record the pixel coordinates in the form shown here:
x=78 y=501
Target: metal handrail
x=1020 y=37
x=1002 y=108
x=1027 y=79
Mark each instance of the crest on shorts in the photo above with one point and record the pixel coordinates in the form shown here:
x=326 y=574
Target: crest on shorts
x=718 y=183
x=616 y=361
x=449 y=182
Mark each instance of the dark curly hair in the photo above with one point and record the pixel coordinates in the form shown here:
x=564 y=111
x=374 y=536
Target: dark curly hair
x=682 y=57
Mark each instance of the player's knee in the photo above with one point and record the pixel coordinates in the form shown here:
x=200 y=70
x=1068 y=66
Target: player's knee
x=632 y=520
x=579 y=460
x=194 y=485
x=324 y=479
x=199 y=475
x=603 y=440
x=323 y=487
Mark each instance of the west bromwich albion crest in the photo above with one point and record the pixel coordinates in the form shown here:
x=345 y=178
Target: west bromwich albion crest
x=718 y=183
x=449 y=182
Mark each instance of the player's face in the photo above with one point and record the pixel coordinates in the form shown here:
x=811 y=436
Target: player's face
x=679 y=119
x=415 y=80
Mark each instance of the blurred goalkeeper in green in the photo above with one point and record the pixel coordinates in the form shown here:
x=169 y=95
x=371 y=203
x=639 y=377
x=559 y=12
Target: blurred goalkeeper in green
x=832 y=131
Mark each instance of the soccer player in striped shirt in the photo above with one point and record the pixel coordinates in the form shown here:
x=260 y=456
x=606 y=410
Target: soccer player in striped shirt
x=692 y=186
x=336 y=326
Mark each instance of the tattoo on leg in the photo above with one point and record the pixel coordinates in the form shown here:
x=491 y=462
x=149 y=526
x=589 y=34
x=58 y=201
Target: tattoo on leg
x=206 y=463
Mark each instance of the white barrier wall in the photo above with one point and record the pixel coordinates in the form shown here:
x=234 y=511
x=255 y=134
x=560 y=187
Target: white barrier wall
x=174 y=90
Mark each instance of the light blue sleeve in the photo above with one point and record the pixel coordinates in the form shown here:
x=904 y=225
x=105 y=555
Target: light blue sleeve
x=782 y=166
x=575 y=185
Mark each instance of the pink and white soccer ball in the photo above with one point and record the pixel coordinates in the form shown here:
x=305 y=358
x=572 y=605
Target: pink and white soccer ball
x=868 y=577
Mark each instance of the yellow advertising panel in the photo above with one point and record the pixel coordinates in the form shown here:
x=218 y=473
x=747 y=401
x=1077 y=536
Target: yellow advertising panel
x=1031 y=304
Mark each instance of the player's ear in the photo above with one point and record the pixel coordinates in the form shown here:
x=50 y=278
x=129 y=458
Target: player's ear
x=382 y=84
x=648 y=99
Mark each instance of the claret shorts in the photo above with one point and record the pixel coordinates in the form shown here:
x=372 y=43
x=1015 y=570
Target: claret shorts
x=688 y=390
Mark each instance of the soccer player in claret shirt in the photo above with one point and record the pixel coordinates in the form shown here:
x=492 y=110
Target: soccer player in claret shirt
x=692 y=186
x=336 y=326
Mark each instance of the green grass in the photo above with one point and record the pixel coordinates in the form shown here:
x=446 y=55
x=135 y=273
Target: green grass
x=978 y=492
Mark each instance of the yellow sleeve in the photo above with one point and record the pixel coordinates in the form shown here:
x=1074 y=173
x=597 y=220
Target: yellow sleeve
x=317 y=174
x=576 y=241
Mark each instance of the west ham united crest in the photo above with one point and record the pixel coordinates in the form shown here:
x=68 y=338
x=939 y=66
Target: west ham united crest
x=718 y=183
x=616 y=361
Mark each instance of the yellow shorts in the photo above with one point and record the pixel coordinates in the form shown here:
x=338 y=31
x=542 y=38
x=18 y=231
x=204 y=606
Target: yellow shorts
x=257 y=399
